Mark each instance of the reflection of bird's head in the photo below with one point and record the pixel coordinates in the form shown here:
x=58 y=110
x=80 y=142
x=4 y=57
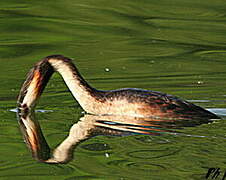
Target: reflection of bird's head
x=33 y=136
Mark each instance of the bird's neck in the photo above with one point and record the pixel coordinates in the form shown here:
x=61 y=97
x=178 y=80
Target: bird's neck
x=79 y=88
x=40 y=74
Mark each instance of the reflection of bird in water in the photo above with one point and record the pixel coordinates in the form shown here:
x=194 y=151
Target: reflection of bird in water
x=90 y=126
x=133 y=102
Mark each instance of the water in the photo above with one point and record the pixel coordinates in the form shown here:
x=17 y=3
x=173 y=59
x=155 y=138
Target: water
x=176 y=47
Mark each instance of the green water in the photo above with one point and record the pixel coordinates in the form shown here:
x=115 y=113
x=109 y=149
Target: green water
x=177 y=47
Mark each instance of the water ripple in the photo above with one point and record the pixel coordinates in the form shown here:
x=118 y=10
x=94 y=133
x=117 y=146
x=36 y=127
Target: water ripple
x=153 y=153
x=136 y=165
x=38 y=110
x=218 y=111
x=96 y=147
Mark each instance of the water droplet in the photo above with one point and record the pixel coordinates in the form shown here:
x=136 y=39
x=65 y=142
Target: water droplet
x=107 y=69
x=107 y=155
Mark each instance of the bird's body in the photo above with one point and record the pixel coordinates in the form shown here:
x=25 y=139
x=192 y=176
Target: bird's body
x=144 y=103
x=130 y=101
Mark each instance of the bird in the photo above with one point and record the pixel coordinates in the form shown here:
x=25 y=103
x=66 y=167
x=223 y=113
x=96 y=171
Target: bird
x=127 y=101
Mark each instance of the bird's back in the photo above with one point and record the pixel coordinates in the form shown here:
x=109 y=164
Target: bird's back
x=152 y=104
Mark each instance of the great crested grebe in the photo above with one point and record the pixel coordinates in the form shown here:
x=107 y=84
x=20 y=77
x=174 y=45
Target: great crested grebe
x=130 y=101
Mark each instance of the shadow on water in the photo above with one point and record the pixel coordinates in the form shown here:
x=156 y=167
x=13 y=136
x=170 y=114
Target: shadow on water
x=90 y=126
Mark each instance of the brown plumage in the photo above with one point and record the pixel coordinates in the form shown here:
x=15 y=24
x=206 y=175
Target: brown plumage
x=131 y=101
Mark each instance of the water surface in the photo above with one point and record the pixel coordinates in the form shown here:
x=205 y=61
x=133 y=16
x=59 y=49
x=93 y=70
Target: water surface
x=177 y=47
